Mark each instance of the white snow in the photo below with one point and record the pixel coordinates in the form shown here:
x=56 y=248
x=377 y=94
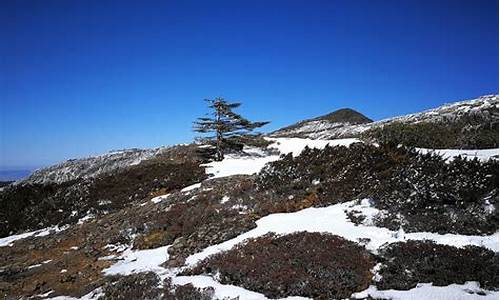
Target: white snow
x=135 y=261
x=116 y=247
x=95 y=294
x=9 y=240
x=332 y=219
x=223 y=290
x=296 y=145
x=427 y=291
x=449 y=154
x=191 y=187
x=89 y=216
x=34 y=266
x=255 y=160
x=224 y=199
x=159 y=199
x=234 y=164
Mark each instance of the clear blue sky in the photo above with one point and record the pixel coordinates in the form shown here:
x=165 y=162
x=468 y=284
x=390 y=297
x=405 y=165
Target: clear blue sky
x=85 y=77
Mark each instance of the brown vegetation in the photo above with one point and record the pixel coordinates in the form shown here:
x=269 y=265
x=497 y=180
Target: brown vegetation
x=316 y=265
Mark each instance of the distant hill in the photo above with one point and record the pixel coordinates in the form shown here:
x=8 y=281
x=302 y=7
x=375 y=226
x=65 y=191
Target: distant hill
x=345 y=115
x=465 y=124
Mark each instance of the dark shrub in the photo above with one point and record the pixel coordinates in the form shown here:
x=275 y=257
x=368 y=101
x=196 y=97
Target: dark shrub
x=421 y=192
x=305 y=264
x=136 y=286
x=472 y=132
x=408 y=263
x=185 y=292
x=34 y=206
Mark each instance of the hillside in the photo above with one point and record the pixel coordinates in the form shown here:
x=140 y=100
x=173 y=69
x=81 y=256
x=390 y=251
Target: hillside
x=465 y=124
x=335 y=207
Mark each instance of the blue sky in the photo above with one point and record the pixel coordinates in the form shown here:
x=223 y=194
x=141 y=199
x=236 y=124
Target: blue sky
x=84 y=77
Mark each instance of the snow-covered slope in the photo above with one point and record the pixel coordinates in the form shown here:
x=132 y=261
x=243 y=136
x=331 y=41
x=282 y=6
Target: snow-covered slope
x=486 y=106
x=92 y=166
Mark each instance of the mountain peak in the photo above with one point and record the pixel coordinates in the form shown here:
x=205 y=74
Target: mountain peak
x=345 y=115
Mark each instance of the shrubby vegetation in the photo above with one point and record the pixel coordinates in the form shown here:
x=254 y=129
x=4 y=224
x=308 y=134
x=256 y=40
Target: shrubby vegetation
x=134 y=286
x=146 y=286
x=321 y=266
x=35 y=206
x=187 y=292
x=471 y=132
x=407 y=263
x=420 y=192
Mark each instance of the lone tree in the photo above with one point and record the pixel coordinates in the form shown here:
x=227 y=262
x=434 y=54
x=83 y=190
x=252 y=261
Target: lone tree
x=229 y=130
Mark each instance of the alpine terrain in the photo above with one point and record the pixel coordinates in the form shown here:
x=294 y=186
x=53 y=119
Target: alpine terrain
x=334 y=207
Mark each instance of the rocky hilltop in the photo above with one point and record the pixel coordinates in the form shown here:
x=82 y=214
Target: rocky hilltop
x=335 y=207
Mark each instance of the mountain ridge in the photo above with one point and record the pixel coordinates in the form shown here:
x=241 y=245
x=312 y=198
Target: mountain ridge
x=318 y=128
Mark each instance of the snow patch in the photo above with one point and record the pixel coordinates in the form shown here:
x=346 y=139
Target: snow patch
x=9 y=240
x=449 y=154
x=191 y=187
x=469 y=290
x=332 y=219
x=253 y=159
x=159 y=199
x=224 y=199
x=135 y=261
x=223 y=290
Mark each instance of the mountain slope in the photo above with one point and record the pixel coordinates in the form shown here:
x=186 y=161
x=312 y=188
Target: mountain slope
x=92 y=166
x=299 y=218
x=482 y=110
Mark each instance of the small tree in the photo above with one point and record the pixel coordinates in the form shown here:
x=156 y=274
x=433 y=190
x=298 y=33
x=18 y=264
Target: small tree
x=228 y=129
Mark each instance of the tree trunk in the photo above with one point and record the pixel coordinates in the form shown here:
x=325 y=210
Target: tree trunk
x=218 y=147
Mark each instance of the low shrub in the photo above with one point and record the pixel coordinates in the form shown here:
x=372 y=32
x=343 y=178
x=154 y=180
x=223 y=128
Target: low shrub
x=136 y=286
x=407 y=263
x=420 y=192
x=34 y=206
x=466 y=132
x=316 y=265
x=185 y=292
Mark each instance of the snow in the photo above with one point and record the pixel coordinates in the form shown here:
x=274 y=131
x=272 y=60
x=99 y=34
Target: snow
x=135 y=261
x=238 y=165
x=224 y=199
x=427 y=291
x=254 y=159
x=158 y=199
x=95 y=294
x=9 y=240
x=34 y=266
x=223 y=290
x=333 y=219
x=89 y=216
x=191 y=187
x=449 y=154
x=296 y=145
